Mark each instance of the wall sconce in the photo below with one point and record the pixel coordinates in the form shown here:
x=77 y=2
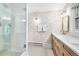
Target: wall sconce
x=37 y=20
x=23 y=20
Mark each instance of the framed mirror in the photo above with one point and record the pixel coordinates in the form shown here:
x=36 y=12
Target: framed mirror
x=65 y=24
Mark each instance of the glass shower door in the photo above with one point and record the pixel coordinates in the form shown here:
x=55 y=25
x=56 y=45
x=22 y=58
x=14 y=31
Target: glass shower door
x=12 y=29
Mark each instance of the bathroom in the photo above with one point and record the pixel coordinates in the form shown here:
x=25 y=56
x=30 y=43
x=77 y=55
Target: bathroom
x=39 y=29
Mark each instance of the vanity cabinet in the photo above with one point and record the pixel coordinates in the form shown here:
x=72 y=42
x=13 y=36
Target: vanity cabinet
x=57 y=47
x=60 y=49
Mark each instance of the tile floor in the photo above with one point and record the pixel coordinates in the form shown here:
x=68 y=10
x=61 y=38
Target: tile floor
x=9 y=53
x=39 y=50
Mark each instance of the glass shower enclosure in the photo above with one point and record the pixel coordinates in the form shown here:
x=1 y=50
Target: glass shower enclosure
x=12 y=29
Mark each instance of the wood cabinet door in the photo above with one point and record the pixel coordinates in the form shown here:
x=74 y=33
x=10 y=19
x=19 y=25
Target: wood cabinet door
x=54 y=48
x=57 y=47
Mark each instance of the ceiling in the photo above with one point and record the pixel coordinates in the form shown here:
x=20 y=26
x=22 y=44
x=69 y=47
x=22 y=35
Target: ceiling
x=19 y=8
x=42 y=7
x=16 y=8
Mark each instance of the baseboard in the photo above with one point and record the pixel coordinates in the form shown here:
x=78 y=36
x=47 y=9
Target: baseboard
x=39 y=44
x=35 y=43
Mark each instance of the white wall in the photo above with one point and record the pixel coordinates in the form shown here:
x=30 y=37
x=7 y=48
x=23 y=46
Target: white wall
x=52 y=19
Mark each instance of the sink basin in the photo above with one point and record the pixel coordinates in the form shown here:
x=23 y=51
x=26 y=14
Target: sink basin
x=75 y=44
x=73 y=40
x=74 y=34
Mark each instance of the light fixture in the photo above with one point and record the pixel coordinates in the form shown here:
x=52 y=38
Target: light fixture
x=23 y=20
x=6 y=18
x=37 y=20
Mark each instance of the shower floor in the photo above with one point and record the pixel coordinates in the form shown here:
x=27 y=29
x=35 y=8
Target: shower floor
x=9 y=53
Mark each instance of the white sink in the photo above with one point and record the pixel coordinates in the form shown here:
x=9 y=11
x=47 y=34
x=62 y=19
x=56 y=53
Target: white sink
x=75 y=43
x=74 y=34
x=72 y=39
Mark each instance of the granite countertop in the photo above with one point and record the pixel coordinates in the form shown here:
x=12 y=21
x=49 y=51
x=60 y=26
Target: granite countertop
x=70 y=41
